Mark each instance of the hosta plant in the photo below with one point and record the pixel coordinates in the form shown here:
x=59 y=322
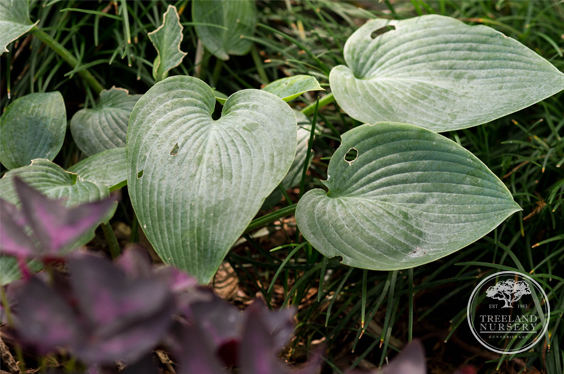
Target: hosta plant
x=398 y=194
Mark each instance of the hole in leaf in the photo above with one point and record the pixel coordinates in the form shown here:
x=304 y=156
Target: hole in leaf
x=382 y=30
x=351 y=155
x=141 y=166
x=174 y=150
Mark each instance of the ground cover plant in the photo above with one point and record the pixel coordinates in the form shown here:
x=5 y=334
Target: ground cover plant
x=365 y=163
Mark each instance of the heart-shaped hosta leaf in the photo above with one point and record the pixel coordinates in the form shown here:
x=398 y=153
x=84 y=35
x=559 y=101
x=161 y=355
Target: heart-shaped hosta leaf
x=167 y=39
x=438 y=73
x=195 y=182
x=14 y=21
x=222 y=25
x=33 y=126
x=104 y=127
x=289 y=88
x=410 y=197
x=56 y=183
x=108 y=168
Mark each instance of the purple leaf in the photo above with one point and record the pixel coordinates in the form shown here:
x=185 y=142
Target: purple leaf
x=258 y=353
x=221 y=321
x=55 y=225
x=128 y=316
x=44 y=320
x=135 y=261
x=198 y=354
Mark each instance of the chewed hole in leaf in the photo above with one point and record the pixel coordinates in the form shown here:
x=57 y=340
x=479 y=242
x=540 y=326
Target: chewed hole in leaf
x=382 y=30
x=141 y=166
x=174 y=150
x=351 y=155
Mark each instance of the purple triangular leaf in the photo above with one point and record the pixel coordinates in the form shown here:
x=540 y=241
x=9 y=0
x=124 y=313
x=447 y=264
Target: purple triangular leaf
x=135 y=261
x=198 y=354
x=280 y=323
x=44 y=320
x=55 y=225
x=221 y=320
x=258 y=353
x=128 y=316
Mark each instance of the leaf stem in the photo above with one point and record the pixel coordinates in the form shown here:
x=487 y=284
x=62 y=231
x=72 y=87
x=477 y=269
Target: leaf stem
x=115 y=251
x=271 y=217
x=324 y=101
x=69 y=59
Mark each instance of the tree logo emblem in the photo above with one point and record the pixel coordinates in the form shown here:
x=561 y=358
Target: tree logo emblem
x=515 y=324
x=509 y=291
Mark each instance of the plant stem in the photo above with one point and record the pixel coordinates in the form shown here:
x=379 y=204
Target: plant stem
x=274 y=216
x=69 y=58
x=111 y=239
x=324 y=101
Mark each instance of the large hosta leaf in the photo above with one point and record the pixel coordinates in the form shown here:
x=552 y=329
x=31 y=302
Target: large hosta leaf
x=56 y=183
x=33 y=126
x=410 y=197
x=167 y=39
x=438 y=73
x=108 y=168
x=222 y=25
x=195 y=182
x=104 y=127
x=14 y=21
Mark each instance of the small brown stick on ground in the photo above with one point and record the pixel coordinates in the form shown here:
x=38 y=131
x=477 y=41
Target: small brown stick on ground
x=8 y=361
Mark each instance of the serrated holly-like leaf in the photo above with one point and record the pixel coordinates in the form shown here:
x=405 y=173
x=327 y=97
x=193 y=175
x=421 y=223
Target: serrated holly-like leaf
x=33 y=126
x=108 y=168
x=195 y=182
x=438 y=73
x=104 y=127
x=222 y=25
x=56 y=183
x=167 y=39
x=410 y=197
x=14 y=22
x=289 y=88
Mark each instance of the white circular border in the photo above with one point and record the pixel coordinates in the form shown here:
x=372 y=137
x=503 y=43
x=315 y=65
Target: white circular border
x=479 y=286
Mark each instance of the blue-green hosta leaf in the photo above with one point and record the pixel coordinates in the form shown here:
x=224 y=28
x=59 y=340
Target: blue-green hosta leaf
x=410 y=197
x=289 y=88
x=222 y=25
x=14 y=22
x=438 y=73
x=167 y=39
x=196 y=183
x=108 y=168
x=33 y=126
x=56 y=183
x=105 y=126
